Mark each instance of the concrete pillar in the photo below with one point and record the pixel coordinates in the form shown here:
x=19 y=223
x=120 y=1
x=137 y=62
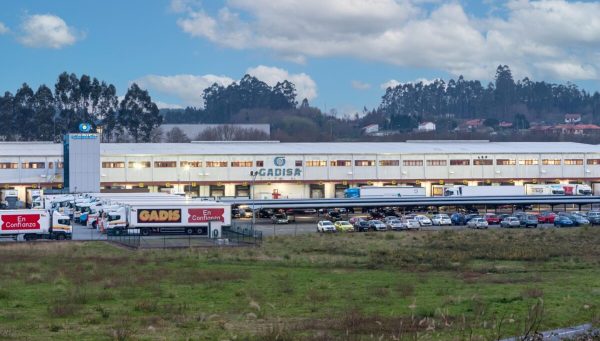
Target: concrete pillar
x=229 y=190
x=329 y=190
x=427 y=186
x=204 y=190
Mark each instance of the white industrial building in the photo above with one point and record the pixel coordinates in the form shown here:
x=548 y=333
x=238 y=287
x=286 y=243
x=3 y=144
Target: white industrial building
x=305 y=170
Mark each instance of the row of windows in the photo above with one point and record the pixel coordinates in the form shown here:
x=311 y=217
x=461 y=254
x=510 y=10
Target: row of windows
x=320 y=163
x=29 y=165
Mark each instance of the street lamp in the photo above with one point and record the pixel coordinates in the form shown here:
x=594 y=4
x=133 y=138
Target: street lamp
x=253 y=174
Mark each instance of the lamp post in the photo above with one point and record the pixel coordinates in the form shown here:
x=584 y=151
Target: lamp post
x=253 y=174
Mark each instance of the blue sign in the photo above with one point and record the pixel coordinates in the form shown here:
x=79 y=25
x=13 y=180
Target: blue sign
x=85 y=127
x=279 y=161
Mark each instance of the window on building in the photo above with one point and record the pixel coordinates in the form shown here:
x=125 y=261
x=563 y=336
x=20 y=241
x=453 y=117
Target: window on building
x=389 y=163
x=165 y=164
x=316 y=163
x=412 y=162
x=112 y=164
x=593 y=161
x=33 y=165
x=573 y=162
x=138 y=164
x=241 y=164
x=506 y=162
x=9 y=165
x=436 y=162
x=259 y=164
x=483 y=162
x=298 y=163
x=528 y=162
x=190 y=164
x=216 y=164
x=460 y=162
x=551 y=162
x=341 y=163
x=364 y=163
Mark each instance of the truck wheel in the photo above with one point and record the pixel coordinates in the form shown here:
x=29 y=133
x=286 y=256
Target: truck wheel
x=145 y=232
x=60 y=236
x=189 y=230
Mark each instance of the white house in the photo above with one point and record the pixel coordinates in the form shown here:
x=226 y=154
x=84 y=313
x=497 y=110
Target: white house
x=426 y=126
x=370 y=129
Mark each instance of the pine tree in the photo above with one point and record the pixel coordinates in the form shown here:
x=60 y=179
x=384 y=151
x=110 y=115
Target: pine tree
x=138 y=114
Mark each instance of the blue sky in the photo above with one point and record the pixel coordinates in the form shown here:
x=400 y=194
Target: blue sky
x=339 y=52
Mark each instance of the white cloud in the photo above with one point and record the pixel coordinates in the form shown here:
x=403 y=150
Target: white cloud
x=392 y=83
x=358 y=85
x=305 y=85
x=544 y=37
x=187 y=88
x=47 y=30
x=3 y=28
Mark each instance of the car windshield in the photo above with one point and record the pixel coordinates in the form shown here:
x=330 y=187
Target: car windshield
x=344 y=223
x=327 y=223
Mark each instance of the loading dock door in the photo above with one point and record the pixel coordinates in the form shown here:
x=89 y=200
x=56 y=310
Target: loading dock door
x=317 y=191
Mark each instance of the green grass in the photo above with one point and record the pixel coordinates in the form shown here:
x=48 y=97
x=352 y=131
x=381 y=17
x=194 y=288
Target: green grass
x=447 y=285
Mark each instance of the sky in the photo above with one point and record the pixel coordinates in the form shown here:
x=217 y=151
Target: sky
x=341 y=54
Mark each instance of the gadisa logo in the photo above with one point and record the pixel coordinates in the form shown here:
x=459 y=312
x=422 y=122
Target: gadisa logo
x=159 y=216
x=279 y=161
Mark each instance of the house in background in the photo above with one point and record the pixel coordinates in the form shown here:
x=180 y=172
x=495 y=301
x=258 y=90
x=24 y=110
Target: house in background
x=370 y=129
x=426 y=126
x=572 y=118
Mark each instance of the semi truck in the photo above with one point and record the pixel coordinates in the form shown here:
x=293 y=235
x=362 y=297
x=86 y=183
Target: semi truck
x=33 y=198
x=482 y=191
x=9 y=199
x=35 y=224
x=384 y=192
x=577 y=189
x=146 y=218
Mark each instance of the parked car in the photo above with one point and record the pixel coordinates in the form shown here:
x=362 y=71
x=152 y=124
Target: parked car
x=389 y=218
x=471 y=216
x=333 y=216
x=441 y=219
x=265 y=213
x=280 y=218
x=546 y=217
x=396 y=224
x=361 y=225
x=325 y=226
x=578 y=220
x=563 y=221
x=343 y=226
x=529 y=220
x=423 y=220
x=235 y=213
x=477 y=223
x=410 y=223
x=510 y=222
x=377 y=225
x=492 y=219
x=457 y=219
x=594 y=217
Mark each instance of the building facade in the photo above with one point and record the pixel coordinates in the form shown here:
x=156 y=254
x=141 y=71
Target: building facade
x=306 y=170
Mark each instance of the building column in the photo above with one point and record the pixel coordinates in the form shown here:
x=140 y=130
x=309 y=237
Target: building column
x=329 y=190
x=229 y=190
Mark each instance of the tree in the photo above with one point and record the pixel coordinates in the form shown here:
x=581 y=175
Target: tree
x=520 y=122
x=44 y=114
x=227 y=132
x=6 y=114
x=505 y=89
x=138 y=114
x=23 y=117
x=176 y=135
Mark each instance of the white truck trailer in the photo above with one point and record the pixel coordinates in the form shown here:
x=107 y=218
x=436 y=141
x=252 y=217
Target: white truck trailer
x=35 y=224
x=184 y=217
x=483 y=191
x=384 y=192
x=533 y=189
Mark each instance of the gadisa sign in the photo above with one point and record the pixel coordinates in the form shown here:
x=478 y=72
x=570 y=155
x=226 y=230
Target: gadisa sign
x=279 y=169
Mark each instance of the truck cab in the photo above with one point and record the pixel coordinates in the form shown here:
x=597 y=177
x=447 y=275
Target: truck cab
x=34 y=198
x=9 y=199
x=61 y=226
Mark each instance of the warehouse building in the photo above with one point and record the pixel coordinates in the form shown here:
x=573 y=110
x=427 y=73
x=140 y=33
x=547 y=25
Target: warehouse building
x=306 y=170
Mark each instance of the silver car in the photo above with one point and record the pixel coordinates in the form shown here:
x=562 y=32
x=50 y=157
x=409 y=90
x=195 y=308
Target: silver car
x=423 y=220
x=477 y=223
x=510 y=222
x=441 y=219
x=411 y=223
x=396 y=224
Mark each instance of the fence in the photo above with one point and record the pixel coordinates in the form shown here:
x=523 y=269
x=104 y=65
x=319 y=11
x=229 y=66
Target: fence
x=231 y=236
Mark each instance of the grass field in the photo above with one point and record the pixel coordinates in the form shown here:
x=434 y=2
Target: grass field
x=445 y=285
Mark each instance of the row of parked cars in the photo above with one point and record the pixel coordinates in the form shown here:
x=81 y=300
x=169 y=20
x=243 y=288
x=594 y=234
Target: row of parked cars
x=522 y=219
x=362 y=224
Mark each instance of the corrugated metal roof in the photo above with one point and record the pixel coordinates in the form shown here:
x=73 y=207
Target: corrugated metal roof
x=258 y=148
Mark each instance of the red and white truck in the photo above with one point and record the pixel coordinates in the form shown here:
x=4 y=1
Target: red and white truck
x=35 y=224
x=176 y=217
